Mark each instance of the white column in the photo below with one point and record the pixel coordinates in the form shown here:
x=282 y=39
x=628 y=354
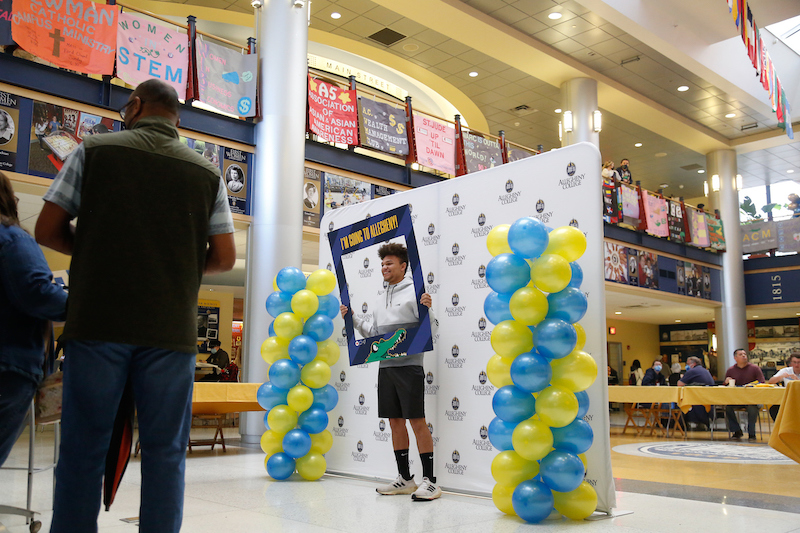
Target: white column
x=276 y=230
x=731 y=319
x=579 y=96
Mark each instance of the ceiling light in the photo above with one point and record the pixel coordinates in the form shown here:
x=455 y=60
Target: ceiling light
x=555 y=15
x=410 y=47
x=664 y=185
x=677 y=321
x=473 y=74
x=620 y=312
x=597 y=121
x=516 y=123
x=738 y=182
x=560 y=131
x=568 y=121
x=730 y=115
x=558 y=110
x=660 y=154
x=638 y=145
x=683 y=88
x=414 y=166
x=715 y=183
x=680 y=186
x=705 y=189
x=755 y=316
x=336 y=15
x=701 y=171
x=790 y=171
x=798 y=314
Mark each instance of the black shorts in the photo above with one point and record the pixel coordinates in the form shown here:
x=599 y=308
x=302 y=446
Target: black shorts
x=401 y=392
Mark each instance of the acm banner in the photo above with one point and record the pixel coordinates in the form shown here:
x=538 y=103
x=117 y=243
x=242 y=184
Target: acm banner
x=73 y=34
x=451 y=220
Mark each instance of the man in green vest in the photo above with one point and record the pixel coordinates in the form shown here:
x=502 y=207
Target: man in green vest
x=153 y=217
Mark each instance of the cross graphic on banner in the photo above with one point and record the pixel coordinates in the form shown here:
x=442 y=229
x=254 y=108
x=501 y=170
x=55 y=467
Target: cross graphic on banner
x=57 y=40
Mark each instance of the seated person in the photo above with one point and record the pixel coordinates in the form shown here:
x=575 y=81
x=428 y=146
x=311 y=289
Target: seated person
x=743 y=373
x=653 y=377
x=613 y=377
x=696 y=375
x=675 y=375
x=218 y=357
x=785 y=375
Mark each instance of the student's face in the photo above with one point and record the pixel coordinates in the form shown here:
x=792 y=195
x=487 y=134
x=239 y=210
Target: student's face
x=392 y=269
x=624 y=162
x=795 y=362
x=740 y=357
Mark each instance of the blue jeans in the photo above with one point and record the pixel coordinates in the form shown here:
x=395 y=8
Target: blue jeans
x=95 y=374
x=16 y=393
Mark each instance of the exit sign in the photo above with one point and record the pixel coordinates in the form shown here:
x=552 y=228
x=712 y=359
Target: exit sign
x=612 y=330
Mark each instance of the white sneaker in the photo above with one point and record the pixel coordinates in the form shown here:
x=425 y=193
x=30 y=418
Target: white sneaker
x=399 y=486
x=426 y=491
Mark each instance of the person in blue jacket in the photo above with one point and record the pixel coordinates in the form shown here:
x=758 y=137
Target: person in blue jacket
x=28 y=299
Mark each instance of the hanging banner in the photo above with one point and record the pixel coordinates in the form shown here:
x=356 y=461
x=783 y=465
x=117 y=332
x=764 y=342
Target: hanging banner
x=5 y=23
x=312 y=187
x=789 y=235
x=715 y=234
x=655 y=209
x=610 y=204
x=146 y=50
x=481 y=153
x=630 y=204
x=435 y=142
x=515 y=153
x=9 y=131
x=677 y=233
x=615 y=262
x=73 y=34
x=332 y=112
x=227 y=79
x=759 y=237
x=383 y=126
x=698 y=228
x=648 y=270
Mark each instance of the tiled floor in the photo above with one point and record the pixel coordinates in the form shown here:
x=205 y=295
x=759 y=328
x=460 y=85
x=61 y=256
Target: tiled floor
x=231 y=492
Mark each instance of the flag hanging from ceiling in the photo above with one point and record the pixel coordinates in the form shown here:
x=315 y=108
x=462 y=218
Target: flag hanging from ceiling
x=227 y=78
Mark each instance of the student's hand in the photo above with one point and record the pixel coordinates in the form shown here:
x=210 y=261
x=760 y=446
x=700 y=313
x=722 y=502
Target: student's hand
x=426 y=300
x=344 y=310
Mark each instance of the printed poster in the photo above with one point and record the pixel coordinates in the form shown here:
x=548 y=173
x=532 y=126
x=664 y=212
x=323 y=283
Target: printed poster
x=207 y=323
x=383 y=126
x=655 y=209
x=226 y=78
x=341 y=191
x=648 y=270
x=9 y=131
x=379 y=191
x=698 y=228
x=633 y=266
x=312 y=191
x=694 y=279
x=615 y=262
x=332 y=113
x=716 y=235
x=630 y=205
x=146 y=50
x=435 y=142
x=481 y=152
x=5 y=23
x=79 y=35
x=680 y=276
x=706 y=283
x=235 y=164
x=677 y=232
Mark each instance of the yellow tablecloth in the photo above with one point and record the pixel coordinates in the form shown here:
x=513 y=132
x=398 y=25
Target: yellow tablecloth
x=786 y=433
x=218 y=398
x=729 y=396
x=623 y=394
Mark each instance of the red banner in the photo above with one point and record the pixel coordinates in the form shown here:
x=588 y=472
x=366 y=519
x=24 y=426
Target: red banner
x=73 y=34
x=332 y=112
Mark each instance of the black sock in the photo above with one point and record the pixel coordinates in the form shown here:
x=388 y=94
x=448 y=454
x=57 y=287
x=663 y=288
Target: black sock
x=427 y=466
x=401 y=456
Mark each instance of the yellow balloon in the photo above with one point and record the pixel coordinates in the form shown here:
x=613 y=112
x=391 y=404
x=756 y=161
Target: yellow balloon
x=271 y=442
x=501 y=496
x=321 y=282
x=275 y=283
x=321 y=442
x=274 y=348
x=304 y=303
x=288 y=325
x=497 y=240
x=577 y=504
x=300 y=398
x=556 y=406
x=581 y=336
x=498 y=369
x=575 y=372
x=328 y=351
x=281 y=419
x=567 y=241
x=510 y=468
x=528 y=306
x=316 y=374
x=311 y=466
x=582 y=457
x=532 y=439
x=511 y=338
x=551 y=273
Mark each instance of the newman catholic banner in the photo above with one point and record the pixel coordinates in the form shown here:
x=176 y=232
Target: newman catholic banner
x=5 y=23
x=436 y=143
x=147 y=50
x=332 y=112
x=73 y=34
x=227 y=79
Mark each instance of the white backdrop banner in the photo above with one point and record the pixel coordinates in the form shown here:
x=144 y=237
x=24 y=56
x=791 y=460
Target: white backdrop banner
x=451 y=221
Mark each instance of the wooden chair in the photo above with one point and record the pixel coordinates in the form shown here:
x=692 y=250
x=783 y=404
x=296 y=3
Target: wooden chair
x=673 y=416
x=219 y=437
x=634 y=410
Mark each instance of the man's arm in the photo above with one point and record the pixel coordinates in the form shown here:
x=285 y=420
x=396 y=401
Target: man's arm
x=53 y=229
x=778 y=377
x=221 y=253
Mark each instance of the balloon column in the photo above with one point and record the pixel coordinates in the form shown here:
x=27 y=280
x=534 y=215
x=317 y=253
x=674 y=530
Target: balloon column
x=297 y=396
x=540 y=370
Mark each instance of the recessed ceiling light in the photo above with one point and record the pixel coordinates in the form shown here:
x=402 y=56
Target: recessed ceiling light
x=755 y=316
x=790 y=171
x=410 y=47
x=516 y=123
x=558 y=110
x=683 y=88
x=680 y=186
x=638 y=145
x=664 y=185
x=677 y=321
x=701 y=171
x=661 y=154
x=730 y=115
x=473 y=74
x=620 y=312
x=555 y=15
x=336 y=15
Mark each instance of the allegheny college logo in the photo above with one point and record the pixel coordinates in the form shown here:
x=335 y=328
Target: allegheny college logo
x=509 y=186
x=483 y=443
x=574 y=222
x=456 y=456
x=366 y=262
x=381 y=435
x=481 y=323
x=433 y=288
x=366 y=272
x=431 y=239
x=429 y=378
x=482 y=335
x=330 y=226
x=571 y=169
x=430 y=388
x=360 y=446
x=573 y=180
x=455 y=249
x=482 y=377
x=456 y=259
x=329 y=267
x=454 y=299
x=456 y=210
x=342 y=385
x=455 y=467
x=482 y=230
x=358 y=456
x=481 y=219
x=382 y=425
x=484 y=432
x=542 y=216
x=364 y=307
x=456 y=199
x=342 y=376
x=510 y=196
x=455 y=415
x=430 y=277
x=361 y=409
x=454 y=350
x=431 y=228
x=482 y=271
x=540 y=206
x=340 y=421
x=483 y=388
x=434 y=437
x=339 y=431
x=361 y=399
x=455 y=403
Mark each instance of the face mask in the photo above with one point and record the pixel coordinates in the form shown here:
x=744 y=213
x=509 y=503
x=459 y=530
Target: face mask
x=214 y=350
x=657 y=368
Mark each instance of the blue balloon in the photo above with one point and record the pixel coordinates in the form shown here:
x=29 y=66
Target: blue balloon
x=269 y=395
x=495 y=307
x=527 y=237
x=302 y=349
x=554 y=338
x=583 y=403
x=266 y=423
x=271 y=331
x=569 y=305
x=318 y=327
x=291 y=280
x=284 y=374
x=328 y=306
x=296 y=443
x=577 y=275
x=507 y=273
x=325 y=398
x=280 y=466
x=575 y=437
x=313 y=420
x=531 y=372
x=279 y=302
x=500 y=433
x=513 y=404
x=532 y=501
x=562 y=471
